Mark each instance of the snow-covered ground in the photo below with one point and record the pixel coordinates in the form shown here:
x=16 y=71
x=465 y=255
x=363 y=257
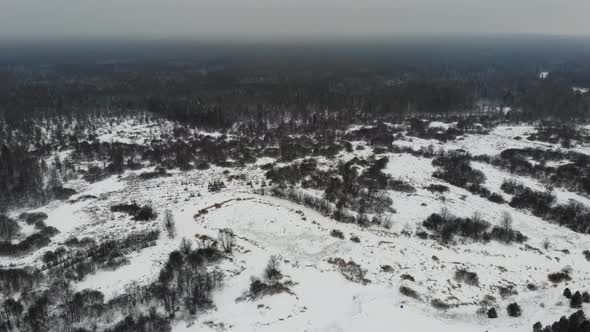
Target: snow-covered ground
x=322 y=299
x=498 y=140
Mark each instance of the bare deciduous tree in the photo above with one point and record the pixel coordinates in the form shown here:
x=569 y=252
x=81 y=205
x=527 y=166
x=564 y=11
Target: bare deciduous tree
x=226 y=239
x=169 y=223
x=186 y=246
x=506 y=224
x=272 y=271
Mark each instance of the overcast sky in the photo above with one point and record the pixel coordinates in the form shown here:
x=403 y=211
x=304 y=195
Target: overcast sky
x=223 y=19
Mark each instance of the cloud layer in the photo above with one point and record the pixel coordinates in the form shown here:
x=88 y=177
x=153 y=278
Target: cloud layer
x=213 y=19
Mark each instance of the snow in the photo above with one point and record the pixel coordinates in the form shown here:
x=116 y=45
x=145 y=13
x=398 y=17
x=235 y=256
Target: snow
x=499 y=139
x=322 y=299
x=441 y=125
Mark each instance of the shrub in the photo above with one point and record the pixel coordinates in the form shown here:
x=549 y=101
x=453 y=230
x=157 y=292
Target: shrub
x=259 y=288
x=536 y=201
x=139 y=213
x=31 y=243
x=514 y=310
x=469 y=278
x=558 y=277
x=272 y=270
x=401 y=186
x=586 y=254
x=337 y=234
x=492 y=313
x=456 y=170
x=439 y=304
x=567 y=293
x=9 y=228
x=576 y=300
x=355 y=239
x=387 y=268
x=407 y=277
x=446 y=226
x=145 y=213
x=350 y=270
x=31 y=218
x=437 y=188
x=512 y=187
x=496 y=198
x=407 y=291
x=507 y=291
x=226 y=238
x=576 y=322
x=153 y=322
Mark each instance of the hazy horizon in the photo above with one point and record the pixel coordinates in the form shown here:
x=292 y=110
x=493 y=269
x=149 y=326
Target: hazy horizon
x=263 y=20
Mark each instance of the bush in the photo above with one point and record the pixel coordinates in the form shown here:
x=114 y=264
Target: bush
x=350 y=270
x=9 y=228
x=558 y=277
x=145 y=213
x=536 y=201
x=259 y=288
x=407 y=277
x=586 y=254
x=437 y=188
x=456 y=170
x=407 y=291
x=31 y=243
x=567 y=293
x=512 y=187
x=439 y=304
x=387 y=268
x=226 y=239
x=469 y=278
x=337 y=234
x=576 y=300
x=492 y=313
x=577 y=322
x=496 y=198
x=446 y=226
x=153 y=322
x=514 y=310
x=31 y=218
x=401 y=186
x=506 y=291
x=272 y=270
x=139 y=213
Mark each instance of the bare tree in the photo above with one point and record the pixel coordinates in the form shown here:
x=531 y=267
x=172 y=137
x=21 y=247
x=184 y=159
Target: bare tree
x=169 y=223
x=506 y=224
x=186 y=246
x=272 y=271
x=226 y=239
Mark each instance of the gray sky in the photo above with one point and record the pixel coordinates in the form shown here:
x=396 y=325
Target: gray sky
x=213 y=19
